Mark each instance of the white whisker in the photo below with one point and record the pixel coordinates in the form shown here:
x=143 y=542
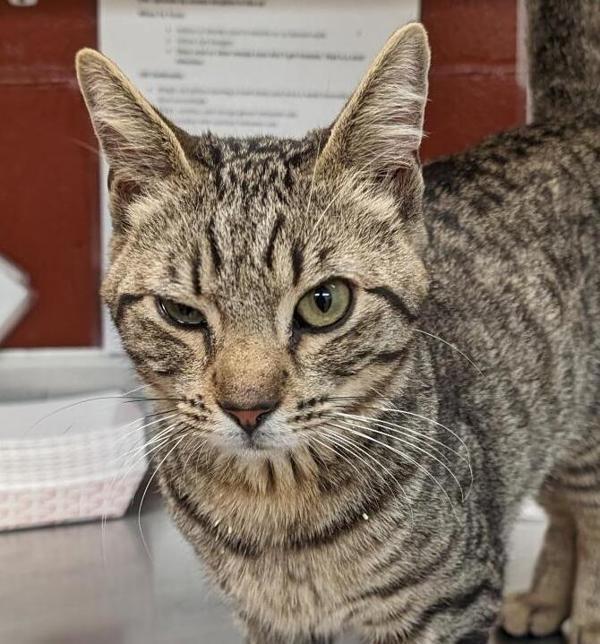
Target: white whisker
x=316 y=440
x=409 y=432
x=355 y=446
x=144 y=426
x=421 y=417
x=462 y=442
x=82 y=402
x=130 y=461
x=453 y=347
x=366 y=424
x=408 y=458
x=144 y=543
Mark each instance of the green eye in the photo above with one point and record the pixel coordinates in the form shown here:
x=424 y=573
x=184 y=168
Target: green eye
x=324 y=305
x=180 y=313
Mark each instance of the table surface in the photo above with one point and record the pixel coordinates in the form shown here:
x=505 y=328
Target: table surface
x=84 y=584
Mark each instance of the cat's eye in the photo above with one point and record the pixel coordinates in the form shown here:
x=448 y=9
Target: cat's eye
x=324 y=305
x=180 y=314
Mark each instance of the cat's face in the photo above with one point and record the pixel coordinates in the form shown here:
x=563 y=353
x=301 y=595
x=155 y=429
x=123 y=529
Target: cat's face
x=258 y=283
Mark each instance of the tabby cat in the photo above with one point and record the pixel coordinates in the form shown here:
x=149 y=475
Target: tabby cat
x=362 y=379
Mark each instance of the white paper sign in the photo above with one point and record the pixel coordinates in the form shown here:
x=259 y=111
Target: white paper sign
x=247 y=67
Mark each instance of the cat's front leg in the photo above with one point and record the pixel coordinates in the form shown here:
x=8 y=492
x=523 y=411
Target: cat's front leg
x=461 y=616
x=474 y=637
x=259 y=634
x=479 y=634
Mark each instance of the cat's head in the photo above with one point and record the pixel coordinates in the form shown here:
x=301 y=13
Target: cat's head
x=254 y=280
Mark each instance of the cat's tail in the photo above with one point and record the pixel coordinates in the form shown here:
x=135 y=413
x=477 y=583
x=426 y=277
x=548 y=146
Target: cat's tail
x=564 y=57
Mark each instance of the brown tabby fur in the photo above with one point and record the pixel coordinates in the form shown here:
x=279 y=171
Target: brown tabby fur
x=379 y=495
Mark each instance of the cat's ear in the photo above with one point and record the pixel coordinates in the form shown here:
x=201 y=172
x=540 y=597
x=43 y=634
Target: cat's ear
x=379 y=131
x=138 y=143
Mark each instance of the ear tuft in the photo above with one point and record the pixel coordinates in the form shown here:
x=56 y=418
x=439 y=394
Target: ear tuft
x=136 y=140
x=380 y=129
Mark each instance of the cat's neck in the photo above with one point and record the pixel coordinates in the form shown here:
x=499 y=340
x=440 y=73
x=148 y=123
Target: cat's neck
x=268 y=501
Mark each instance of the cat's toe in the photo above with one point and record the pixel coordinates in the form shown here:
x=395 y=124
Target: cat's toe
x=585 y=634
x=525 y=614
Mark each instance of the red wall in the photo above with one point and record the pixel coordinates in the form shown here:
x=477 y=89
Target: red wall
x=49 y=223
x=49 y=214
x=473 y=81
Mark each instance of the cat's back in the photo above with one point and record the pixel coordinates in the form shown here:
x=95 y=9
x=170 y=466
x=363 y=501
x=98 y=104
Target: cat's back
x=535 y=166
x=514 y=259
x=536 y=188
x=523 y=202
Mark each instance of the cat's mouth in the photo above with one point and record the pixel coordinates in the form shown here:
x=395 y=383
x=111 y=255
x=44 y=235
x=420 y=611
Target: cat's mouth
x=273 y=435
x=254 y=443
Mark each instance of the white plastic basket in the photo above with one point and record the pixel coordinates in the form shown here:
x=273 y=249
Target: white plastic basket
x=69 y=460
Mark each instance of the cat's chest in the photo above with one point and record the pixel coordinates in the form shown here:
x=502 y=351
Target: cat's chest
x=297 y=584
x=291 y=588
x=288 y=567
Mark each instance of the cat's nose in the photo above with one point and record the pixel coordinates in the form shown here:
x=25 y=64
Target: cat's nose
x=249 y=419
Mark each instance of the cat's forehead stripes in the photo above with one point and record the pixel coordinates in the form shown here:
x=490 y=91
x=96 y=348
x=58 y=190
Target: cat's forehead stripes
x=259 y=168
x=297 y=263
x=270 y=249
x=195 y=277
x=213 y=245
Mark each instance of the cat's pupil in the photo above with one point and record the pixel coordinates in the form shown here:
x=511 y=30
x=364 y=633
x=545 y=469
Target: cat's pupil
x=186 y=311
x=323 y=298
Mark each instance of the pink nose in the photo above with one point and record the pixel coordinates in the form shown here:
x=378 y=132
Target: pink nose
x=248 y=419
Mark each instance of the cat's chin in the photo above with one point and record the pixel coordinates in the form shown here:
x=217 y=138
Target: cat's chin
x=252 y=447
x=252 y=452
x=258 y=446
x=272 y=437
x=260 y=449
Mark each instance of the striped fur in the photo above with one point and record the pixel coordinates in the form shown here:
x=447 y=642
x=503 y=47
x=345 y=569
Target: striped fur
x=379 y=494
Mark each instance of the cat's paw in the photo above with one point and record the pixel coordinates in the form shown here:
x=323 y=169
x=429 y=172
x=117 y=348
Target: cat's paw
x=584 y=634
x=528 y=614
